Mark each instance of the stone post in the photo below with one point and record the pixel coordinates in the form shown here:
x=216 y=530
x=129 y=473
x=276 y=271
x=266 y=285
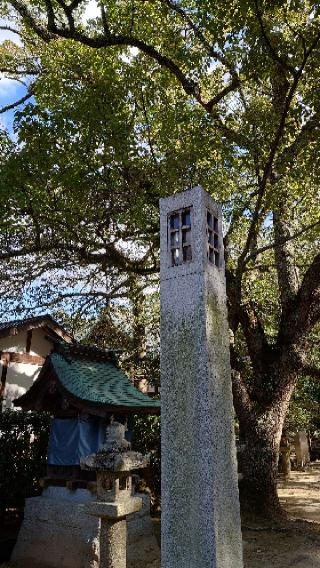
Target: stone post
x=301 y=444
x=200 y=502
x=113 y=464
x=113 y=543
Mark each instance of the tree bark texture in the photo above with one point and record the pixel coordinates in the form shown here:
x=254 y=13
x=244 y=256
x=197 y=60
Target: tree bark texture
x=261 y=429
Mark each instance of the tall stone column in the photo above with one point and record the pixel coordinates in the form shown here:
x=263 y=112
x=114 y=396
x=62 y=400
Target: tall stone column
x=200 y=502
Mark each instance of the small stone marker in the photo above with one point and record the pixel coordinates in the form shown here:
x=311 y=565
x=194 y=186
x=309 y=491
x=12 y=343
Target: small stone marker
x=113 y=464
x=200 y=502
x=301 y=444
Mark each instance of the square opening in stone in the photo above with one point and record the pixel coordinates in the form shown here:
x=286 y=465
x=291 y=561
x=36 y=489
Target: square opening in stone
x=174 y=221
x=186 y=218
x=174 y=239
x=179 y=236
x=123 y=483
x=186 y=236
x=175 y=257
x=107 y=484
x=187 y=254
x=213 y=244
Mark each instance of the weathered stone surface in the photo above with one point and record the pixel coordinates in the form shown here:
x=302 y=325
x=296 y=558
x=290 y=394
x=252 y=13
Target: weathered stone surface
x=115 y=454
x=114 y=510
x=58 y=533
x=113 y=544
x=114 y=462
x=200 y=503
x=301 y=445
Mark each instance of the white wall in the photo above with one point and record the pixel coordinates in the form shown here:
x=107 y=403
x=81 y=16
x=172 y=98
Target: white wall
x=14 y=343
x=11 y=393
x=20 y=376
x=17 y=343
x=39 y=344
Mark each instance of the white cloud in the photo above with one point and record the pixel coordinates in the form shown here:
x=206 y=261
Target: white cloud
x=8 y=87
x=92 y=10
x=7 y=34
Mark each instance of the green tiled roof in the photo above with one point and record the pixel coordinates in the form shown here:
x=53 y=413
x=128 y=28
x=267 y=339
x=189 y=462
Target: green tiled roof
x=98 y=381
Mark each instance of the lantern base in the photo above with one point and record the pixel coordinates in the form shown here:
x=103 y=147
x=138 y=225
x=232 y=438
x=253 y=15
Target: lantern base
x=114 y=510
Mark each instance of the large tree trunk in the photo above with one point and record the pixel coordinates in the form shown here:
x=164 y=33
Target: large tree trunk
x=259 y=465
x=260 y=431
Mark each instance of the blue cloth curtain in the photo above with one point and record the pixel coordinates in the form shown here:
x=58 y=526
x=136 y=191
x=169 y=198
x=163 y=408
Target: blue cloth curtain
x=72 y=438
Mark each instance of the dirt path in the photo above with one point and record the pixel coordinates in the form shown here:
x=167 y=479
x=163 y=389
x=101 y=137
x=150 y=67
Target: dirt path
x=300 y=496
x=297 y=544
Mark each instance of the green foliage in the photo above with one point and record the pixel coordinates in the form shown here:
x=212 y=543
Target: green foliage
x=143 y=101
x=24 y=442
x=110 y=131
x=146 y=439
x=304 y=410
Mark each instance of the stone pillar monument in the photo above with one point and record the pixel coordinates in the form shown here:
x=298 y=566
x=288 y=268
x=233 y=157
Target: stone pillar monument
x=200 y=502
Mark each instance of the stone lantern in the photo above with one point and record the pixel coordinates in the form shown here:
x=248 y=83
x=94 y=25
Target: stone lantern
x=113 y=464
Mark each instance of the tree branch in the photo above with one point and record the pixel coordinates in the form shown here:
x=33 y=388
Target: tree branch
x=201 y=37
x=104 y=19
x=23 y=72
x=217 y=98
x=303 y=312
x=110 y=257
x=111 y=40
x=290 y=153
x=284 y=253
x=286 y=108
x=242 y=402
x=73 y=5
x=256 y=340
x=51 y=17
x=27 y=16
x=282 y=241
x=251 y=233
x=16 y=103
x=269 y=164
x=68 y=13
x=12 y=30
x=275 y=56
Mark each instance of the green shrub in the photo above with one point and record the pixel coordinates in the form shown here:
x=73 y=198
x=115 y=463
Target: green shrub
x=146 y=439
x=23 y=443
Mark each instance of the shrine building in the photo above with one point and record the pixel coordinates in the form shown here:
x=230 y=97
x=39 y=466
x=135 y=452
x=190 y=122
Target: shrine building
x=81 y=387
x=24 y=345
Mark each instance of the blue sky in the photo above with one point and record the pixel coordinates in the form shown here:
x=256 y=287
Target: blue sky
x=10 y=90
